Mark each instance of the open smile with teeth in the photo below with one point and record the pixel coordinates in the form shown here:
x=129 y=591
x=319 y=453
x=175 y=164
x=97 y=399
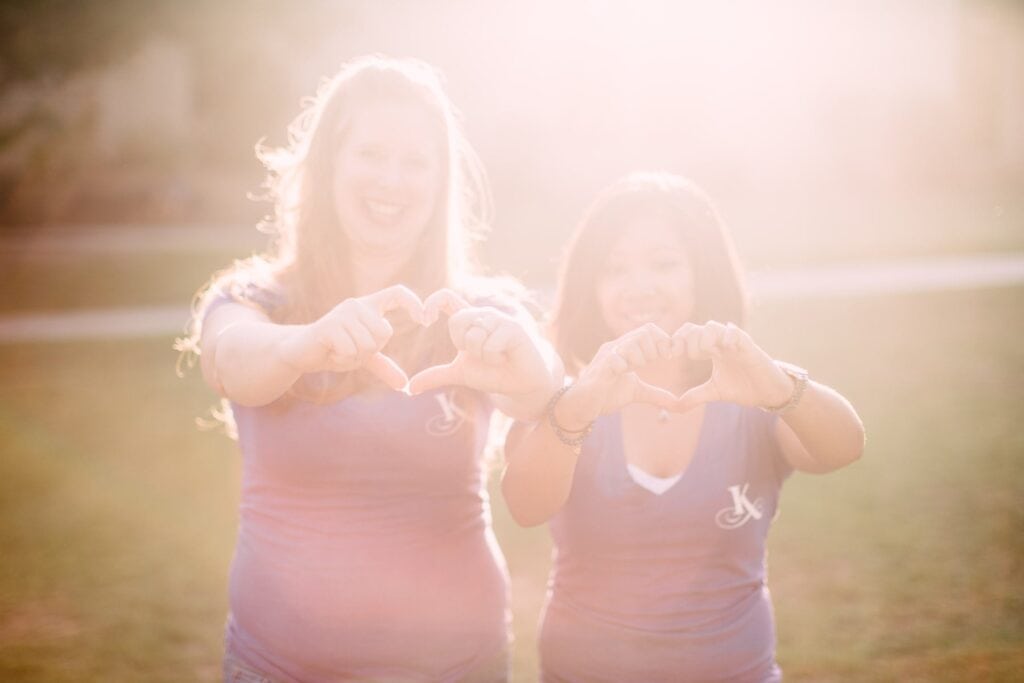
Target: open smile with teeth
x=383 y=210
x=641 y=317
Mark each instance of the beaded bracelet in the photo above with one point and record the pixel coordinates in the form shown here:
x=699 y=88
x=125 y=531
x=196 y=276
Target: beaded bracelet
x=569 y=438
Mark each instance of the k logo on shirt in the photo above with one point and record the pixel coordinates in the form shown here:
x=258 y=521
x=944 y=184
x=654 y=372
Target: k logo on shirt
x=450 y=418
x=742 y=509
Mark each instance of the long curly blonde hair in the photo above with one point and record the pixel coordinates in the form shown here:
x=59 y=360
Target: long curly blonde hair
x=306 y=269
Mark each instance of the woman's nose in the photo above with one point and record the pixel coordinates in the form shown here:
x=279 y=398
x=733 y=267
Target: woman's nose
x=390 y=174
x=641 y=281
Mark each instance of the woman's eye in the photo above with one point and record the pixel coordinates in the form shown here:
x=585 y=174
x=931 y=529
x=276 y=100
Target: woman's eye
x=416 y=162
x=370 y=153
x=613 y=270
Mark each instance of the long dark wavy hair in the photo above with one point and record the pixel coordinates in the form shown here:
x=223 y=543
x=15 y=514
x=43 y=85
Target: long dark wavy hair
x=577 y=327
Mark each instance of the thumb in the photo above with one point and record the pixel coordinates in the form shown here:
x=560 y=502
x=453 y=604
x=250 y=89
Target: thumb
x=703 y=393
x=387 y=370
x=434 y=377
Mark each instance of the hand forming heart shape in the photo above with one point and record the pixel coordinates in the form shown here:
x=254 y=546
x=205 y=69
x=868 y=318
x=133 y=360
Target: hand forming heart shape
x=355 y=330
x=741 y=372
x=495 y=352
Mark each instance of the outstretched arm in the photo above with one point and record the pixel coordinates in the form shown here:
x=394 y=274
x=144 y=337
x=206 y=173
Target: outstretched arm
x=498 y=353
x=249 y=359
x=242 y=357
x=821 y=433
x=541 y=458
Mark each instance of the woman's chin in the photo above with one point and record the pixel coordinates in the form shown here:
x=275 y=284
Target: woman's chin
x=397 y=242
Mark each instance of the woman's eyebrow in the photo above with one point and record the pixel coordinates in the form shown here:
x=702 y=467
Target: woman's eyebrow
x=665 y=249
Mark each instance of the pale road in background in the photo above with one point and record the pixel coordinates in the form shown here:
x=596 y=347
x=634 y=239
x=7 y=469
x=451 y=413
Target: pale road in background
x=835 y=281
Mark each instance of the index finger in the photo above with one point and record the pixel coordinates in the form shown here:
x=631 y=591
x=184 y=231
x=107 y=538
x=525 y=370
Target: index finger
x=387 y=370
x=445 y=301
x=394 y=298
x=681 y=337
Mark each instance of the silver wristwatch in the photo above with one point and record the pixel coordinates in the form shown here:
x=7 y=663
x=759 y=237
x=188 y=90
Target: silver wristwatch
x=800 y=379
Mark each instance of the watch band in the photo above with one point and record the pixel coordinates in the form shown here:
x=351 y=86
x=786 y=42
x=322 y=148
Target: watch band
x=800 y=379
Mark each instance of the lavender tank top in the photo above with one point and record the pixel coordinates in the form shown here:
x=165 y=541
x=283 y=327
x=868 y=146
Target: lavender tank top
x=669 y=587
x=365 y=549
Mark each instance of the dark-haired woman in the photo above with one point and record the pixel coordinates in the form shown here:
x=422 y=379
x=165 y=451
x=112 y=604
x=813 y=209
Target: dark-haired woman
x=660 y=466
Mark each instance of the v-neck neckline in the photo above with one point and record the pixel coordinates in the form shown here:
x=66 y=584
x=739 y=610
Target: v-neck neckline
x=623 y=462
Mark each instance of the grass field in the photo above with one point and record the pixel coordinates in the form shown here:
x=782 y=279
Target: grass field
x=117 y=514
x=772 y=235
x=99 y=281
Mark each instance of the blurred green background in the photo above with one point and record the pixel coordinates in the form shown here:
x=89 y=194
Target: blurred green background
x=825 y=131
x=829 y=134
x=117 y=513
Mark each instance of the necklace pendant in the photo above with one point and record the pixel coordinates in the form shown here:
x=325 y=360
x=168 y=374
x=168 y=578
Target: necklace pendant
x=662 y=415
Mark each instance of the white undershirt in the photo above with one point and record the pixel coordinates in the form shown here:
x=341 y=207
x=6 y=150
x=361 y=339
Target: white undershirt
x=656 y=485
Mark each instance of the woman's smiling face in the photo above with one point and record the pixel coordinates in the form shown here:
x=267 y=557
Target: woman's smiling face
x=387 y=178
x=646 y=278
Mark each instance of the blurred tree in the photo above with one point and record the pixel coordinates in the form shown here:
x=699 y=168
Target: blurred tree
x=51 y=38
